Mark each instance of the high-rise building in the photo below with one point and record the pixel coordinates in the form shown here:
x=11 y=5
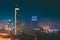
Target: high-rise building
x=18 y=22
x=7 y=25
x=34 y=22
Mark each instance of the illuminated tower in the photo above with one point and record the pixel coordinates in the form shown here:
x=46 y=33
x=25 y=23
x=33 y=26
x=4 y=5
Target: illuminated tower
x=35 y=26
x=34 y=22
x=18 y=26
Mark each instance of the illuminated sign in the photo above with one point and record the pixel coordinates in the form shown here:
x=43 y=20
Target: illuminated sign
x=34 y=18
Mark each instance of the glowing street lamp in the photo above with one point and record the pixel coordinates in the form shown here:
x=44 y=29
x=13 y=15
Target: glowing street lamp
x=16 y=9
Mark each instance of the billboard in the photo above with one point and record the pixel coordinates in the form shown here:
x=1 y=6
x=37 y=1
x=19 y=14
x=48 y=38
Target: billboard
x=34 y=18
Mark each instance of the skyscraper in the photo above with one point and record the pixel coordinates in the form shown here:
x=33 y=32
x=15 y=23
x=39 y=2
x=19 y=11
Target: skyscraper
x=34 y=22
x=18 y=22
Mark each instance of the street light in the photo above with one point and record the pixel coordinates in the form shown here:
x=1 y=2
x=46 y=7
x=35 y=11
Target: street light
x=16 y=9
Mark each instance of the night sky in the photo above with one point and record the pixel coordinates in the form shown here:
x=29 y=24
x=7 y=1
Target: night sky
x=44 y=9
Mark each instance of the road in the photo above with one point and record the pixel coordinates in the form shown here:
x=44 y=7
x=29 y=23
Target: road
x=1 y=38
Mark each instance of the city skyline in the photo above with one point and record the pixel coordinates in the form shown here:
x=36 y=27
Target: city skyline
x=29 y=20
x=44 y=10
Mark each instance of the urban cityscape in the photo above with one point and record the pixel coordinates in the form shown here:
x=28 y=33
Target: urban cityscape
x=29 y=20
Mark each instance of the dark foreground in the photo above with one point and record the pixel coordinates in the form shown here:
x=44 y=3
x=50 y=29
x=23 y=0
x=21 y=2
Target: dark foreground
x=40 y=36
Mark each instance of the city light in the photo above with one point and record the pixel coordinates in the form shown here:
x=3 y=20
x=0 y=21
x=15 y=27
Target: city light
x=9 y=20
x=29 y=20
x=46 y=29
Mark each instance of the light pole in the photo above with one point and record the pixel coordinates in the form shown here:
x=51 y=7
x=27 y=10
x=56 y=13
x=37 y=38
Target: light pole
x=16 y=9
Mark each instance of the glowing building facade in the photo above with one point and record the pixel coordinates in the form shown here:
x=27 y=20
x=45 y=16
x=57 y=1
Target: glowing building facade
x=18 y=22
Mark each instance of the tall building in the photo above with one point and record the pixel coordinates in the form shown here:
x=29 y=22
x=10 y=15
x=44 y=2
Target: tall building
x=7 y=25
x=34 y=22
x=18 y=23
